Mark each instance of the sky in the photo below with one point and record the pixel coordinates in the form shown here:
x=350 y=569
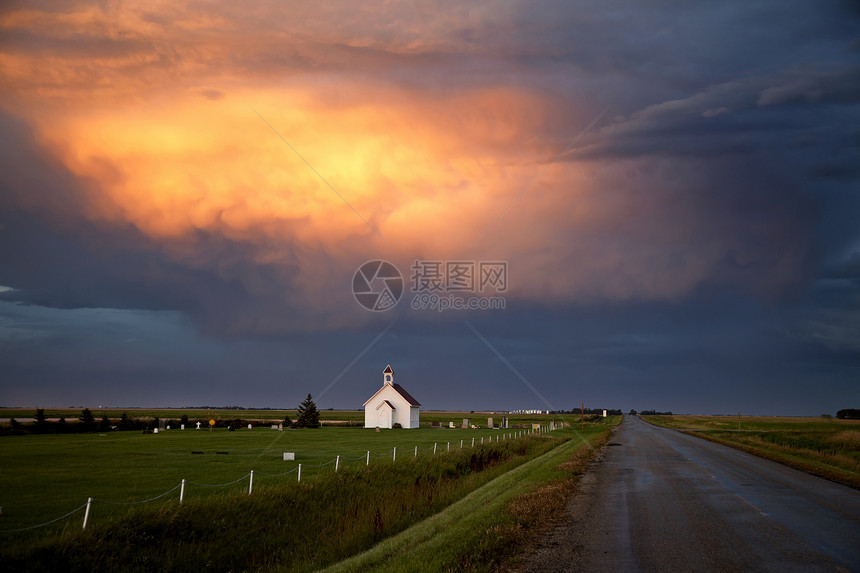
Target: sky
x=647 y=205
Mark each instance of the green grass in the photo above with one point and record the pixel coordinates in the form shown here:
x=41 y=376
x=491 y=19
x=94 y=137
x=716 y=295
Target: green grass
x=45 y=476
x=283 y=525
x=482 y=530
x=202 y=414
x=761 y=423
x=826 y=447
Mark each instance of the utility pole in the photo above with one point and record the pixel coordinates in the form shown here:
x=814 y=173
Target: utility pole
x=582 y=417
x=739 y=420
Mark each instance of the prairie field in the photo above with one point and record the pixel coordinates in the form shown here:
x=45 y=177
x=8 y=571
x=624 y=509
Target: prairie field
x=45 y=476
x=326 y=517
x=826 y=447
x=224 y=415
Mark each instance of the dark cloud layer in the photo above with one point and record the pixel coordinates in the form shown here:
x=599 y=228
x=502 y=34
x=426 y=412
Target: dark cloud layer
x=700 y=254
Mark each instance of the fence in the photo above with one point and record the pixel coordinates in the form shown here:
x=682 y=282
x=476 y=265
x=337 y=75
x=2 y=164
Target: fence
x=366 y=457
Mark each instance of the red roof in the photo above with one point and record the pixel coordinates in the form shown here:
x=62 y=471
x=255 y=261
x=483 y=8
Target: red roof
x=406 y=395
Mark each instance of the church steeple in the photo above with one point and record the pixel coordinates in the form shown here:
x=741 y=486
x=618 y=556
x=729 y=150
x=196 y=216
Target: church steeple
x=388 y=375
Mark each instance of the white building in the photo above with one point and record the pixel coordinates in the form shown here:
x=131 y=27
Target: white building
x=391 y=405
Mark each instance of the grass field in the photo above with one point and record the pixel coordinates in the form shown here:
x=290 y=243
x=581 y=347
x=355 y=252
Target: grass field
x=829 y=448
x=270 y=416
x=334 y=513
x=46 y=476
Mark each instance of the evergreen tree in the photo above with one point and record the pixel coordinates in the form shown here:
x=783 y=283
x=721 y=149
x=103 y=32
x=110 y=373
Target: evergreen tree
x=309 y=416
x=124 y=422
x=104 y=423
x=88 y=421
x=41 y=420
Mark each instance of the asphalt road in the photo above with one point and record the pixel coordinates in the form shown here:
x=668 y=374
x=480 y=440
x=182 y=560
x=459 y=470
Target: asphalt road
x=660 y=500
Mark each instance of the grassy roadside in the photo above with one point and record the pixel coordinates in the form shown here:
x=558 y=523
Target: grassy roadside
x=287 y=527
x=484 y=529
x=826 y=448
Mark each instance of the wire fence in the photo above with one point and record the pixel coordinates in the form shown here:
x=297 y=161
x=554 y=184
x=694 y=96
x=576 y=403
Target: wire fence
x=366 y=457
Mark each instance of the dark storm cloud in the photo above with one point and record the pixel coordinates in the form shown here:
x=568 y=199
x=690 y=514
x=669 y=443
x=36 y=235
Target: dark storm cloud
x=726 y=177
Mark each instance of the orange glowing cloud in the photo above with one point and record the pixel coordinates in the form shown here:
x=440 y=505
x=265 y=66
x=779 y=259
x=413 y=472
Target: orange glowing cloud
x=157 y=106
x=415 y=171
x=174 y=118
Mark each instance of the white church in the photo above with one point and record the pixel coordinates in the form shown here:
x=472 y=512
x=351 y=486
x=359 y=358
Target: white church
x=391 y=405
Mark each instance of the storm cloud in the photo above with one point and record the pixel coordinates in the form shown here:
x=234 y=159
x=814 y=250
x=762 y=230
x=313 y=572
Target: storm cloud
x=673 y=189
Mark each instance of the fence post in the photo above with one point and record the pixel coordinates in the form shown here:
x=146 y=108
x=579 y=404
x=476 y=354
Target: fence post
x=368 y=458
x=251 y=483
x=434 y=448
x=182 y=491
x=394 y=457
x=449 y=446
x=416 y=451
x=461 y=444
x=336 y=463
x=300 y=472
x=473 y=442
x=482 y=440
x=87 y=512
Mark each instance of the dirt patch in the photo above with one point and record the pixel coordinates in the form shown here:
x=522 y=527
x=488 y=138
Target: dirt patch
x=546 y=511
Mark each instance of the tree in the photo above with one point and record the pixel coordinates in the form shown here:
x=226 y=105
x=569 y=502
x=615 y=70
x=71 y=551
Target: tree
x=124 y=422
x=287 y=420
x=41 y=420
x=87 y=420
x=309 y=416
x=104 y=423
x=848 y=414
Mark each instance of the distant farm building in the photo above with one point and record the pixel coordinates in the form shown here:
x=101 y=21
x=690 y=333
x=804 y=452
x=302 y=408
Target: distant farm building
x=390 y=405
